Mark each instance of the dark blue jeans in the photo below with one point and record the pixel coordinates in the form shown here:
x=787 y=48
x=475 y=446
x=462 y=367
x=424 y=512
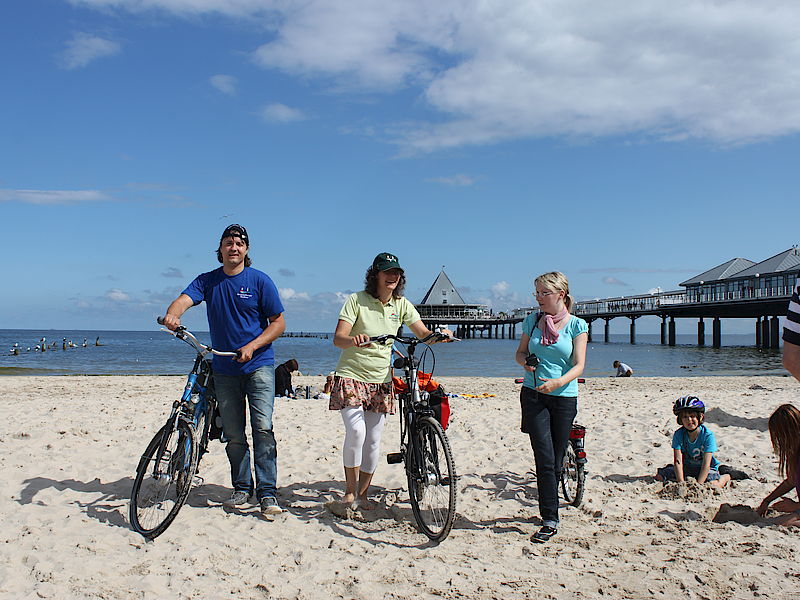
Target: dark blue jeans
x=547 y=420
x=259 y=388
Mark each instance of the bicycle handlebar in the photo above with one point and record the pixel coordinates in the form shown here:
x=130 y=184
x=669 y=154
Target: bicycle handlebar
x=187 y=336
x=436 y=336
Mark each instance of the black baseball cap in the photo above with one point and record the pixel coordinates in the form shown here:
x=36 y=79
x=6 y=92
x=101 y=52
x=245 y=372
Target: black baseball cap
x=236 y=230
x=385 y=261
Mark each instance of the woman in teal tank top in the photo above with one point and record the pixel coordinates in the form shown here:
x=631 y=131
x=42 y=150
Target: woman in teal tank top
x=549 y=396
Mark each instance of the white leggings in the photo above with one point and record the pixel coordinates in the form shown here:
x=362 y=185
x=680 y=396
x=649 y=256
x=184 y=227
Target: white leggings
x=362 y=438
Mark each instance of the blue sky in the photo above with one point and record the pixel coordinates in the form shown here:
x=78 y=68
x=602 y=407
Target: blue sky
x=629 y=145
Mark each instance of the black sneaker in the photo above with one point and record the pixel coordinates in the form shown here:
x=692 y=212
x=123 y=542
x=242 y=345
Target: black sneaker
x=238 y=498
x=544 y=534
x=269 y=506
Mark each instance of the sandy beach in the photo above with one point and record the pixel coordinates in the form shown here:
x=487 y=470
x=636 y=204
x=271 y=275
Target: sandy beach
x=69 y=448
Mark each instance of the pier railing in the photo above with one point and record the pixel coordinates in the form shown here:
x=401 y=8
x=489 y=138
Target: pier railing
x=652 y=303
x=644 y=303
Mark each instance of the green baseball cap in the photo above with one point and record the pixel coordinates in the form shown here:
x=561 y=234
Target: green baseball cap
x=385 y=261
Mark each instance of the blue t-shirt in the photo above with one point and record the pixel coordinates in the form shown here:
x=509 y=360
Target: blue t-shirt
x=693 y=451
x=555 y=359
x=238 y=308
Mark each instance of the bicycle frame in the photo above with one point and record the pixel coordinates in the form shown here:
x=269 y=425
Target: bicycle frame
x=194 y=402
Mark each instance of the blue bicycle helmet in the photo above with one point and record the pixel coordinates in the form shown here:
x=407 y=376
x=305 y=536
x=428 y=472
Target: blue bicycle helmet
x=688 y=403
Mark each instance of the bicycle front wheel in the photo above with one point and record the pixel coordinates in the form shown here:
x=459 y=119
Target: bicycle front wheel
x=573 y=476
x=432 y=482
x=163 y=479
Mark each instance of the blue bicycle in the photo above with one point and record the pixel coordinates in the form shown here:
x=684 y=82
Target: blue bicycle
x=169 y=464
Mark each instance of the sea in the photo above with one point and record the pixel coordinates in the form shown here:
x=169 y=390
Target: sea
x=158 y=353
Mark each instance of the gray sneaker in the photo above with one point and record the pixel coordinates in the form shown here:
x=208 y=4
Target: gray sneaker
x=238 y=498
x=269 y=506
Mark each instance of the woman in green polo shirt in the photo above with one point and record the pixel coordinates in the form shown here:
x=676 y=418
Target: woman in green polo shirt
x=362 y=388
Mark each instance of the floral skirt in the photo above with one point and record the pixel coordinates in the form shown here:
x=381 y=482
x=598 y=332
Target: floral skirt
x=374 y=397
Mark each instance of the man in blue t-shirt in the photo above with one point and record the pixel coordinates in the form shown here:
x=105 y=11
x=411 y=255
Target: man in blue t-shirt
x=245 y=313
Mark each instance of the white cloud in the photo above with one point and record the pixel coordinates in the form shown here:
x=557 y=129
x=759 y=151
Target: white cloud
x=500 y=288
x=614 y=281
x=117 y=295
x=290 y=294
x=459 y=180
x=727 y=72
x=49 y=197
x=227 y=84
x=84 y=48
x=173 y=272
x=280 y=113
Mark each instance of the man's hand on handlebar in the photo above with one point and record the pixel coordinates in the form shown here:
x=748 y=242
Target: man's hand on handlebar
x=244 y=354
x=171 y=322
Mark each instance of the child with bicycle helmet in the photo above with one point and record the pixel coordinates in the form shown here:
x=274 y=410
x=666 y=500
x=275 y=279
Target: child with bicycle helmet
x=784 y=432
x=693 y=446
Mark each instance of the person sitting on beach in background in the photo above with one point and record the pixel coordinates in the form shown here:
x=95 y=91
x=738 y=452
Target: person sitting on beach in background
x=283 y=378
x=791 y=334
x=362 y=389
x=549 y=395
x=623 y=370
x=325 y=394
x=693 y=447
x=245 y=313
x=784 y=432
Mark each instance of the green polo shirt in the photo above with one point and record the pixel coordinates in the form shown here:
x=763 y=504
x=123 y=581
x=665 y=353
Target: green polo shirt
x=368 y=315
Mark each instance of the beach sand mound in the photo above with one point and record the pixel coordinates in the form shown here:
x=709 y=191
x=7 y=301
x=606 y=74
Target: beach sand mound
x=69 y=448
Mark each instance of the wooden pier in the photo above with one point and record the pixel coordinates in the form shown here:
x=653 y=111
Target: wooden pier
x=444 y=306
x=737 y=289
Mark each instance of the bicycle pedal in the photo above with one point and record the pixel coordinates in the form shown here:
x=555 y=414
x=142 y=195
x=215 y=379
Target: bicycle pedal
x=394 y=458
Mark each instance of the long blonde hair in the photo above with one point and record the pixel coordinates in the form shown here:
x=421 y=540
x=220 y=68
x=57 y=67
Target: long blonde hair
x=555 y=280
x=784 y=432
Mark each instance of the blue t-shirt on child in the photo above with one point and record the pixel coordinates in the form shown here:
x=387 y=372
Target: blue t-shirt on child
x=238 y=309
x=555 y=359
x=693 y=451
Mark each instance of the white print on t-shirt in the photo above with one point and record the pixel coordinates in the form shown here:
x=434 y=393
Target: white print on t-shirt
x=244 y=293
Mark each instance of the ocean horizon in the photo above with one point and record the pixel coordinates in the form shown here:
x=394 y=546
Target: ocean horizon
x=157 y=353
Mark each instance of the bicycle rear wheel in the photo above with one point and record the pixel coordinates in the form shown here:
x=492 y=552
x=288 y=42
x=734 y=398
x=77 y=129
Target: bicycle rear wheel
x=163 y=479
x=432 y=484
x=573 y=477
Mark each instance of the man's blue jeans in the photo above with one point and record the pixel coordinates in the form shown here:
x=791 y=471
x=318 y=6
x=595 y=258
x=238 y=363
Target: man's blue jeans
x=547 y=420
x=259 y=388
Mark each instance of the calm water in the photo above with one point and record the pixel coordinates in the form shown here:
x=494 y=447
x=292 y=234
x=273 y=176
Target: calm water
x=156 y=353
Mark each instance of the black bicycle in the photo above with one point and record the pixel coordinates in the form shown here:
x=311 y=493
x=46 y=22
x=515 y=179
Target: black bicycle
x=573 y=470
x=424 y=448
x=167 y=469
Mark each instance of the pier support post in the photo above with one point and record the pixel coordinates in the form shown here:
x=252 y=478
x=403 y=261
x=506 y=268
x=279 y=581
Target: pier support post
x=758 y=332
x=775 y=333
x=701 y=332
x=765 y=332
x=663 y=331
x=671 y=340
x=607 y=328
x=589 y=322
x=633 y=330
x=716 y=332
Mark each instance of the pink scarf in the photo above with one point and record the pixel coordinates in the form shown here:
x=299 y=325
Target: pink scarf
x=548 y=324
